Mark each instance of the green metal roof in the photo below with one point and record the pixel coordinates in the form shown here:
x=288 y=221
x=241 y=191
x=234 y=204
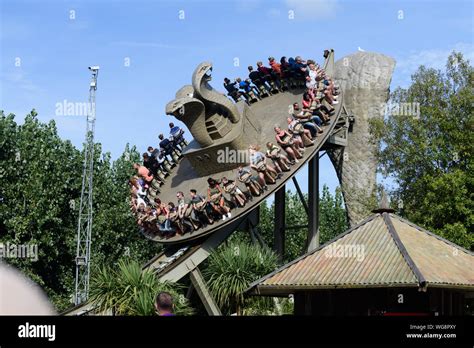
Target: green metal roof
x=382 y=251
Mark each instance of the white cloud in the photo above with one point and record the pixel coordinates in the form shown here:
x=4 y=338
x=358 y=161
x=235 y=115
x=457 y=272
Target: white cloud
x=274 y=13
x=312 y=8
x=144 y=44
x=13 y=30
x=436 y=58
x=19 y=79
x=78 y=25
x=248 y=5
x=433 y=58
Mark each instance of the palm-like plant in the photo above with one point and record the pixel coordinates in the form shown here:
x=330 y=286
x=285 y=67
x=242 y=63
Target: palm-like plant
x=129 y=290
x=232 y=268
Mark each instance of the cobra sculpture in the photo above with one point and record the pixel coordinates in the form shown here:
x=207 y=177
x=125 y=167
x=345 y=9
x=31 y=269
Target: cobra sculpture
x=190 y=111
x=195 y=105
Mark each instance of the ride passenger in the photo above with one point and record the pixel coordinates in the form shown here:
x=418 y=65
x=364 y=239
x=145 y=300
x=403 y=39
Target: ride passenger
x=168 y=149
x=285 y=140
x=151 y=163
x=185 y=212
x=230 y=187
x=257 y=78
x=275 y=66
x=177 y=134
x=232 y=90
x=251 y=182
x=310 y=122
x=164 y=222
x=279 y=160
x=216 y=198
x=201 y=208
x=301 y=134
x=265 y=171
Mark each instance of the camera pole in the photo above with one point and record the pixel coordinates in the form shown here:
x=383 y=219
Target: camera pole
x=84 y=225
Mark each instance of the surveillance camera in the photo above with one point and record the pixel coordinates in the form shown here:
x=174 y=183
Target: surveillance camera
x=94 y=68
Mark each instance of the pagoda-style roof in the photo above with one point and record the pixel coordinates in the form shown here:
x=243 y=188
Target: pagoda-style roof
x=384 y=250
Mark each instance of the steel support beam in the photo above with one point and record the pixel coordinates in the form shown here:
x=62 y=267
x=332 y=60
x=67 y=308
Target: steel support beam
x=252 y=220
x=312 y=241
x=296 y=227
x=204 y=294
x=300 y=194
x=252 y=235
x=190 y=291
x=279 y=227
x=259 y=238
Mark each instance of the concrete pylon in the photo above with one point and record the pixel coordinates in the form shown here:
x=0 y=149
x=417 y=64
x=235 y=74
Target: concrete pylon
x=365 y=79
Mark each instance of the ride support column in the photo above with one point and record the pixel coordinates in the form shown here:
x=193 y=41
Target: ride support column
x=312 y=241
x=279 y=226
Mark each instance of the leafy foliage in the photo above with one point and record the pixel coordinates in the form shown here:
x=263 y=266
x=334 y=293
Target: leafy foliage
x=332 y=221
x=232 y=268
x=332 y=215
x=126 y=289
x=40 y=195
x=430 y=156
x=40 y=187
x=268 y=306
x=37 y=183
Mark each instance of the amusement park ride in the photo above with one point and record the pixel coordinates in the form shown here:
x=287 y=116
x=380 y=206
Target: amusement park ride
x=217 y=124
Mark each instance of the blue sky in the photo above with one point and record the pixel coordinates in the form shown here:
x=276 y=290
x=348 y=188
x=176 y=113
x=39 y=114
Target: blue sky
x=46 y=47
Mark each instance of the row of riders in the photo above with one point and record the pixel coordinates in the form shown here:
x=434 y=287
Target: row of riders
x=193 y=210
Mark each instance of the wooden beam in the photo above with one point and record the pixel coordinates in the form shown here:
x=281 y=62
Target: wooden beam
x=204 y=294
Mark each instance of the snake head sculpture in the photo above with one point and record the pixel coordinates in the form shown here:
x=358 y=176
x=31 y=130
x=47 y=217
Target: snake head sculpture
x=210 y=97
x=202 y=74
x=195 y=104
x=190 y=111
x=185 y=91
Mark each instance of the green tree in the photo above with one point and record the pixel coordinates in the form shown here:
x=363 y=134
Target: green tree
x=429 y=155
x=38 y=181
x=115 y=232
x=332 y=221
x=40 y=185
x=126 y=289
x=230 y=271
x=333 y=217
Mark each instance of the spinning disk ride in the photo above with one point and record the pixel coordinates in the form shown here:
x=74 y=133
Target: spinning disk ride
x=222 y=129
x=216 y=123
